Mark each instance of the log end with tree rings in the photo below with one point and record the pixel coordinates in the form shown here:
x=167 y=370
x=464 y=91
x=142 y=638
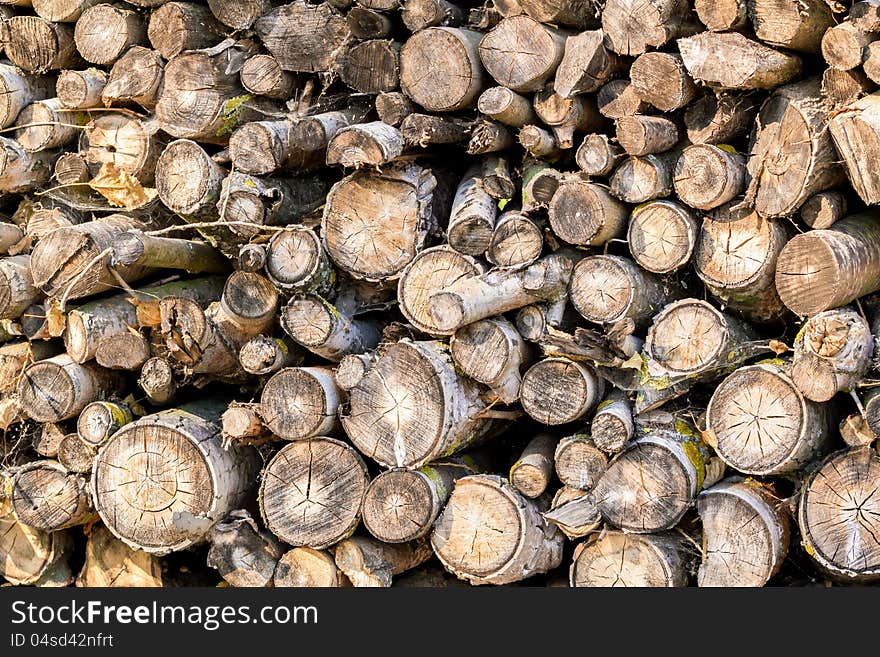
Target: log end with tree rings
x=296 y=260
x=75 y=454
x=689 y=336
x=263 y=75
x=762 y=424
x=651 y=484
x=306 y=567
x=491 y=352
x=250 y=300
x=375 y=223
x=46 y=497
x=490 y=534
x=401 y=505
x=660 y=79
x=585 y=214
x=642 y=179
x=839 y=514
x=608 y=289
x=833 y=351
x=302 y=481
x=558 y=390
x=522 y=54
x=157 y=381
x=579 y=463
x=160 y=483
x=100 y=420
x=431 y=271
x=58 y=388
x=612 y=558
x=136 y=77
x=300 y=402
x=745 y=534
x=122 y=141
x=32 y=556
x=517 y=241
x=662 y=236
x=401 y=412
x=440 y=68
x=707 y=176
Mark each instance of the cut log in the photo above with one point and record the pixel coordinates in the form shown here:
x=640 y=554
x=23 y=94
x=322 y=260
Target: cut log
x=574 y=513
x=650 y=485
x=46 y=125
x=178 y=26
x=49 y=438
x=661 y=80
x=865 y=16
x=264 y=354
x=531 y=473
x=642 y=135
x=81 y=89
x=853 y=129
x=745 y=534
x=838 y=515
x=557 y=391
x=136 y=77
x=100 y=420
x=162 y=482
x=841 y=88
x=366 y=23
x=157 y=381
x=20 y=90
x=239 y=14
x=586 y=64
x=793 y=24
x=261 y=147
x=567 y=115
x=412 y=407
x=304 y=37
x=722 y=15
x=489 y=137
x=112 y=563
x=59 y=260
x=823 y=209
x=843 y=46
x=375 y=143
x=478 y=297
x=242 y=423
x=612 y=426
x=15 y=357
x=578 y=462
x=367 y=562
x=30 y=556
x=243 y=554
x=561 y=12
x=492 y=352
x=825 y=269
x=298 y=403
x=792 y=157
x=597 y=155
x=61 y=11
x=473 y=214
x=431 y=271
x=522 y=54
x=585 y=214
x=305 y=479
x=506 y=106
x=632 y=26
x=642 y=179
x=136 y=247
x=262 y=75
x=489 y=534
x=37 y=45
x=372 y=67
x=708 y=176
x=44 y=496
x=129 y=144
x=718 y=118
x=422 y=130
x=328 y=329
x=832 y=353
x=17 y=291
x=58 y=388
x=609 y=289
x=296 y=262
x=104 y=32
x=498 y=180
x=375 y=223
x=419 y=14
x=662 y=236
x=21 y=171
x=730 y=60
x=539 y=143
x=690 y=337
x=516 y=242
x=393 y=107
x=75 y=455
x=305 y=567
x=440 y=68
x=619 y=98
x=401 y=505
x=763 y=424
x=736 y=257
x=615 y=558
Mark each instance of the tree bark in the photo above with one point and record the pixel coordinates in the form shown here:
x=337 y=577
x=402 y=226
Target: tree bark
x=243 y=554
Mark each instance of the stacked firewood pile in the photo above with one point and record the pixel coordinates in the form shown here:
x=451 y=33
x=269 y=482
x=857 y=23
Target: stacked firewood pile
x=351 y=293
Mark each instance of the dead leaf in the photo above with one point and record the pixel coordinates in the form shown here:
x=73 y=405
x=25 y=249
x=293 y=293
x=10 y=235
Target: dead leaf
x=56 y=319
x=147 y=312
x=778 y=347
x=120 y=188
x=710 y=438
